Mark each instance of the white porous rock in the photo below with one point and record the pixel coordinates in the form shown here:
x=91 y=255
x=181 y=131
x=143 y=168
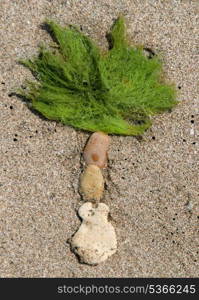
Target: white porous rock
x=95 y=240
x=92 y=183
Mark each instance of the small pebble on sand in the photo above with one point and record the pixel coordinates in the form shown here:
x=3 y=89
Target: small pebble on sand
x=92 y=183
x=96 y=149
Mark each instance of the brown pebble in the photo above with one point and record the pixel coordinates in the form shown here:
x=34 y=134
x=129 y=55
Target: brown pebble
x=95 y=157
x=96 y=149
x=92 y=183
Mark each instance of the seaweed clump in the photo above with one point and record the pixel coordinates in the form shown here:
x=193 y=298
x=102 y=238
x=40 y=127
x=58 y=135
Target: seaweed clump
x=77 y=84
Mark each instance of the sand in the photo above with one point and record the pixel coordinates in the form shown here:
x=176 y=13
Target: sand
x=152 y=184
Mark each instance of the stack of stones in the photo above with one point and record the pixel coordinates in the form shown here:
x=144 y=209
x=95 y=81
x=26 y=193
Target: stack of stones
x=95 y=156
x=95 y=240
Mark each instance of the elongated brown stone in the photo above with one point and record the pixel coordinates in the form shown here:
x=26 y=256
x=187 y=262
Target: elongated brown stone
x=96 y=149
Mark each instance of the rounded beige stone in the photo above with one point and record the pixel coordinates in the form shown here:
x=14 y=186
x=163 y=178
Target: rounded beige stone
x=92 y=183
x=96 y=149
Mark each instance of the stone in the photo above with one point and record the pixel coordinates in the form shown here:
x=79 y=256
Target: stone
x=96 y=150
x=92 y=183
x=95 y=239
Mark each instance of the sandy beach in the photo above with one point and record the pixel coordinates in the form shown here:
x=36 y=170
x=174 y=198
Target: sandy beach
x=152 y=183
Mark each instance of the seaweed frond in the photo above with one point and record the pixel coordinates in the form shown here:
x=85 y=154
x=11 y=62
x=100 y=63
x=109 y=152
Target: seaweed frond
x=116 y=92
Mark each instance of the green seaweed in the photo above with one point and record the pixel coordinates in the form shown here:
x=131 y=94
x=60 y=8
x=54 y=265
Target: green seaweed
x=116 y=92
